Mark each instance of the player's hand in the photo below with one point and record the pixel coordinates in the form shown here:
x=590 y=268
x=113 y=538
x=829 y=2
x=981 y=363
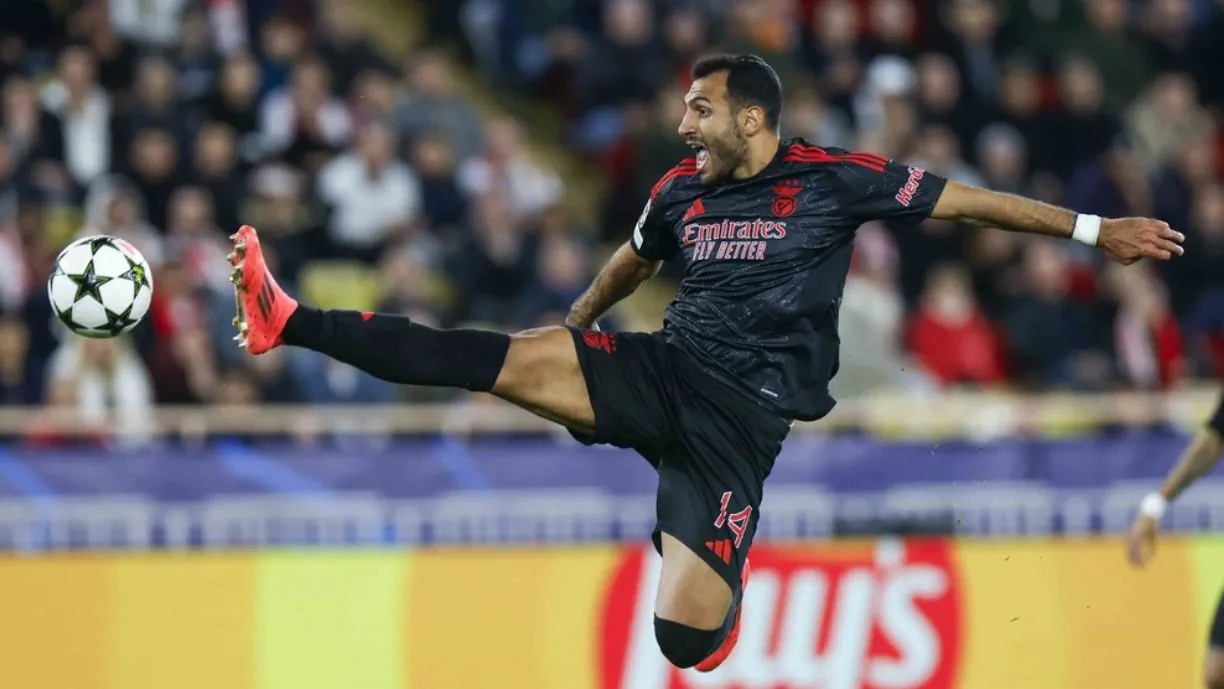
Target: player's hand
x=1141 y=541
x=1127 y=240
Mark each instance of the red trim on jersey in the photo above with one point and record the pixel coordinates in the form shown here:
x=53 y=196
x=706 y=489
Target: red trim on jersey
x=688 y=166
x=799 y=153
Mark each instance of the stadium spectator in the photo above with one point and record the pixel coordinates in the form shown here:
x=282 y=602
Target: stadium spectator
x=235 y=102
x=495 y=264
x=1147 y=337
x=34 y=137
x=949 y=334
x=154 y=167
x=505 y=167
x=345 y=46
x=154 y=105
x=1052 y=340
x=375 y=199
x=17 y=385
x=430 y=103
x=444 y=202
x=107 y=384
x=84 y=109
x=1168 y=116
x=304 y=122
x=181 y=356
x=292 y=225
x=871 y=320
x=215 y=167
x=1108 y=42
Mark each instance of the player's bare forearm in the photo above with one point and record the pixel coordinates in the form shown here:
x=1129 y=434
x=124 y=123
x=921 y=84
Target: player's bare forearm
x=973 y=206
x=622 y=275
x=1124 y=240
x=1199 y=458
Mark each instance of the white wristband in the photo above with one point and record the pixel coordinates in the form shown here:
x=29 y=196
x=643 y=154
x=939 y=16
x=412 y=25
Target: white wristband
x=1153 y=505
x=1087 y=229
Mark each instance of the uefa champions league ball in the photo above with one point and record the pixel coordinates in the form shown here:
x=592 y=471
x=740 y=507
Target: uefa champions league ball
x=101 y=287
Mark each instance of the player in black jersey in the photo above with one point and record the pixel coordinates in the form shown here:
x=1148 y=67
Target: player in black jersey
x=1198 y=459
x=765 y=227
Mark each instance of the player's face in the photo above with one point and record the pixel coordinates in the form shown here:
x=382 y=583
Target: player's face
x=710 y=126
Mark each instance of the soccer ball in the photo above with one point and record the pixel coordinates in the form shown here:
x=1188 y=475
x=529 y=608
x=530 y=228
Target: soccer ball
x=101 y=286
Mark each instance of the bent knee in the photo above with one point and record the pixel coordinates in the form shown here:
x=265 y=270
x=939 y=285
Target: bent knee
x=682 y=645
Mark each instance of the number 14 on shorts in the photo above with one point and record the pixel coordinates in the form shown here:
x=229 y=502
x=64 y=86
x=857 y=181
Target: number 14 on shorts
x=736 y=521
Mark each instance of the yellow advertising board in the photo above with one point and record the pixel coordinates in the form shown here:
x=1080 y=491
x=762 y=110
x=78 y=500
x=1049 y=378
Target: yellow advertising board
x=917 y=614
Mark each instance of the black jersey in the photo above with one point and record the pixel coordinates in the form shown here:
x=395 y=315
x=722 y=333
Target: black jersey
x=767 y=260
x=1216 y=422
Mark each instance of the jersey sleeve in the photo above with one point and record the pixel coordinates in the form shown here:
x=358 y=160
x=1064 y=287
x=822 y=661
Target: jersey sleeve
x=652 y=238
x=880 y=189
x=1216 y=422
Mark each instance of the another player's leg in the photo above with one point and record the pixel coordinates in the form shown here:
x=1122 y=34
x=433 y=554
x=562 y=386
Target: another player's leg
x=538 y=369
x=1213 y=670
x=1213 y=667
x=696 y=612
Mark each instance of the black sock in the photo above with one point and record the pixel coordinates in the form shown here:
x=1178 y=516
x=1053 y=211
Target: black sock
x=682 y=645
x=397 y=350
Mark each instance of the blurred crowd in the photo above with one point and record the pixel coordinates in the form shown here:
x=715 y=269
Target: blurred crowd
x=378 y=185
x=1112 y=107
x=170 y=123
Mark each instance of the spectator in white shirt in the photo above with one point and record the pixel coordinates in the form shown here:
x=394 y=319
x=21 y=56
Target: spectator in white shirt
x=155 y=24
x=375 y=199
x=84 y=111
x=304 y=118
x=506 y=167
x=107 y=383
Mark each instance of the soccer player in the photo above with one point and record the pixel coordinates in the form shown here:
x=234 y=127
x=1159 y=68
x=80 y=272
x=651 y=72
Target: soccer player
x=766 y=228
x=1198 y=459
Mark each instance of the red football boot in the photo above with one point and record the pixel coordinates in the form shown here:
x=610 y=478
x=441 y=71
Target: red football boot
x=724 y=649
x=263 y=307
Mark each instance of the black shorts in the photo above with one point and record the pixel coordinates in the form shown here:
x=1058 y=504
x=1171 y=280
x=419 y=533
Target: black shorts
x=1216 y=638
x=711 y=444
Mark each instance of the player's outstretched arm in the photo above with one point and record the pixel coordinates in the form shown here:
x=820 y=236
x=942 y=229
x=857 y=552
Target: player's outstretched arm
x=622 y=275
x=1196 y=461
x=1124 y=240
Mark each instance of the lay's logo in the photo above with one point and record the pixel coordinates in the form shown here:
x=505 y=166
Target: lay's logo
x=882 y=617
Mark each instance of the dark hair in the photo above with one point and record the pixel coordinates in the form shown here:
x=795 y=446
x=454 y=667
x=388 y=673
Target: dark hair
x=750 y=81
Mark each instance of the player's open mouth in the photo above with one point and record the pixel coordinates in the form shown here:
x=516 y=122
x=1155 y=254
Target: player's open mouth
x=703 y=156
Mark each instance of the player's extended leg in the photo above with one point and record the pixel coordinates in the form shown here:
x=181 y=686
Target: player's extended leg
x=696 y=616
x=537 y=370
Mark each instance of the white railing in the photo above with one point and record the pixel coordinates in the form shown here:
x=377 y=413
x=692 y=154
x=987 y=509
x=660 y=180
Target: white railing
x=981 y=415
x=568 y=516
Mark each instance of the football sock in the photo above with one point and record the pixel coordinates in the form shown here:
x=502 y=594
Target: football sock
x=682 y=645
x=397 y=350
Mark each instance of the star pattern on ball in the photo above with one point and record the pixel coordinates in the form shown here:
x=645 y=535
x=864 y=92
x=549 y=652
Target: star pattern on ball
x=89 y=283
x=119 y=322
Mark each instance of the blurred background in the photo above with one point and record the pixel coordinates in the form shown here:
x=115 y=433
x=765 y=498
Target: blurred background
x=286 y=521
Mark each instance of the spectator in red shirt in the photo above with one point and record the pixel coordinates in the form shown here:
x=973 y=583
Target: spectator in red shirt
x=950 y=336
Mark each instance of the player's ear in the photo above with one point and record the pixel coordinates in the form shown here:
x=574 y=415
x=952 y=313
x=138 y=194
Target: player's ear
x=752 y=120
